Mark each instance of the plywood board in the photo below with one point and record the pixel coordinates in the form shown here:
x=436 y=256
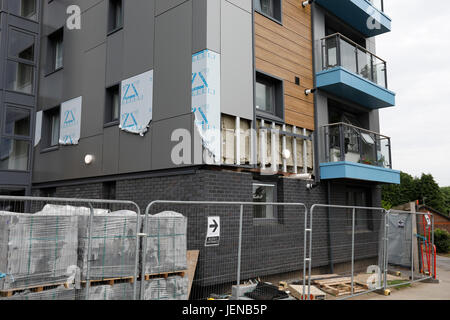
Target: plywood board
x=192 y=259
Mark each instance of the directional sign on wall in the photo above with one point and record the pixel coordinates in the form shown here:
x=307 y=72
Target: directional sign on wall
x=213 y=232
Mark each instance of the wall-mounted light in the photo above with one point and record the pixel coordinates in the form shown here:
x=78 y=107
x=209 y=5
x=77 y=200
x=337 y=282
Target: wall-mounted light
x=88 y=159
x=305 y=3
x=309 y=91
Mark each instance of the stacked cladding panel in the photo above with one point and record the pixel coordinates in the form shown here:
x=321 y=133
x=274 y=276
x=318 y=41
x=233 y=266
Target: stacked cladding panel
x=49 y=250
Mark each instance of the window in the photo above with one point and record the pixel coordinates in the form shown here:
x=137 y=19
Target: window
x=51 y=125
x=269 y=8
x=19 y=77
x=21 y=45
x=359 y=197
x=56 y=50
x=115 y=15
x=264 y=193
x=14 y=154
x=23 y=8
x=109 y=190
x=17 y=122
x=269 y=95
x=112 y=107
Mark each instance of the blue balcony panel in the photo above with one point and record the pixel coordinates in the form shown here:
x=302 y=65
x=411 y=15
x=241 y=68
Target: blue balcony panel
x=353 y=87
x=358 y=171
x=358 y=13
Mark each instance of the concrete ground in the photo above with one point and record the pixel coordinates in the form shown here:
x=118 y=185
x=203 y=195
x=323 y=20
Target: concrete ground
x=420 y=291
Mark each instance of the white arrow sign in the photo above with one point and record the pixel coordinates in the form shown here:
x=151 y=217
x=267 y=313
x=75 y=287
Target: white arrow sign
x=213 y=232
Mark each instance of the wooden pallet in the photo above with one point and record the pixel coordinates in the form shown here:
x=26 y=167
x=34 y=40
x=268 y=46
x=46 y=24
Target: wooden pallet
x=108 y=282
x=165 y=275
x=37 y=288
x=340 y=286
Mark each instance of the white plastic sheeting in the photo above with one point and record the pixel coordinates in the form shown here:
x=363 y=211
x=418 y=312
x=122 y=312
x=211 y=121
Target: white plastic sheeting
x=206 y=100
x=70 y=121
x=38 y=129
x=136 y=103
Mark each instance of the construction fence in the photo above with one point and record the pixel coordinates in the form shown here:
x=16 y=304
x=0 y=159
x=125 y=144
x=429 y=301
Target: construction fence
x=81 y=249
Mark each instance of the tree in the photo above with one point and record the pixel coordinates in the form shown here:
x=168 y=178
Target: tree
x=425 y=189
x=397 y=194
x=430 y=193
x=446 y=193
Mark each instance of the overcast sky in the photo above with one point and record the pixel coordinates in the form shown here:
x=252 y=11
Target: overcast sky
x=418 y=55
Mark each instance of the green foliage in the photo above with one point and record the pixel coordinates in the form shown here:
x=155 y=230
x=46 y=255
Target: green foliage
x=386 y=205
x=442 y=241
x=402 y=193
x=446 y=193
x=425 y=189
x=429 y=191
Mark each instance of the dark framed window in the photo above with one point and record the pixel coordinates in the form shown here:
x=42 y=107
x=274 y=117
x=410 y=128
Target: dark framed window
x=51 y=127
x=21 y=45
x=269 y=96
x=264 y=193
x=269 y=8
x=56 y=50
x=15 y=144
x=115 y=15
x=23 y=8
x=20 y=77
x=109 y=190
x=16 y=121
x=359 y=197
x=112 y=104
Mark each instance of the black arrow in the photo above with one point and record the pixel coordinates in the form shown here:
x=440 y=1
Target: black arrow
x=215 y=226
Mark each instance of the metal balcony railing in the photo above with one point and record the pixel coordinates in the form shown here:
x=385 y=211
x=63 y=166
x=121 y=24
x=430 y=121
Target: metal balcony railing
x=345 y=142
x=338 y=50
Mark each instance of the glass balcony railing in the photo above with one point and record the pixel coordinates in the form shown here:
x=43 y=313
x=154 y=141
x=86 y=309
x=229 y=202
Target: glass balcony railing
x=379 y=4
x=345 y=142
x=337 y=50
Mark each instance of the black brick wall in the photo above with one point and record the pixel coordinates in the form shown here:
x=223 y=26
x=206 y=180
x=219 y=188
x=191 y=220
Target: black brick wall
x=268 y=247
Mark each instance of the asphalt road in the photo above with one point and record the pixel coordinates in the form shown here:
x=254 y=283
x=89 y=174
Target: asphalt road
x=421 y=291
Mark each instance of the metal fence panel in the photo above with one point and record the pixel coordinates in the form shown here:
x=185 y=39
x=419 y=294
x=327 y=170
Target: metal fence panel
x=410 y=254
x=248 y=250
x=346 y=249
x=68 y=249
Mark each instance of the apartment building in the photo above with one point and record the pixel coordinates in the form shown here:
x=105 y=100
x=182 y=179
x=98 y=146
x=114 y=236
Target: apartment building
x=19 y=54
x=237 y=100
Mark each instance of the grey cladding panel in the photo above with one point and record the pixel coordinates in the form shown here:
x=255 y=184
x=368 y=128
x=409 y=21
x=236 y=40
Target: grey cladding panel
x=162 y=145
x=139 y=31
x=173 y=63
x=134 y=154
x=237 y=62
x=164 y=5
x=93 y=88
x=114 y=58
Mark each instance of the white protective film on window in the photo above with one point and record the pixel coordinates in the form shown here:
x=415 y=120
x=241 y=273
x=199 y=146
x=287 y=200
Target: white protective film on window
x=70 y=122
x=136 y=103
x=38 y=129
x=206 y=100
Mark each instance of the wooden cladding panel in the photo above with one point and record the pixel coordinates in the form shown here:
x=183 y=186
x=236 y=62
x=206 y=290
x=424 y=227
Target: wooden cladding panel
x=285 y=51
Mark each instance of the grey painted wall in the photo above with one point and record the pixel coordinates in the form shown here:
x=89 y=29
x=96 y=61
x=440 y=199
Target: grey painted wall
x=157 y=34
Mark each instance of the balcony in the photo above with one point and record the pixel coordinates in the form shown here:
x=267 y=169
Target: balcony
x=366 y=16
x=351 y=72
x=356 y=153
